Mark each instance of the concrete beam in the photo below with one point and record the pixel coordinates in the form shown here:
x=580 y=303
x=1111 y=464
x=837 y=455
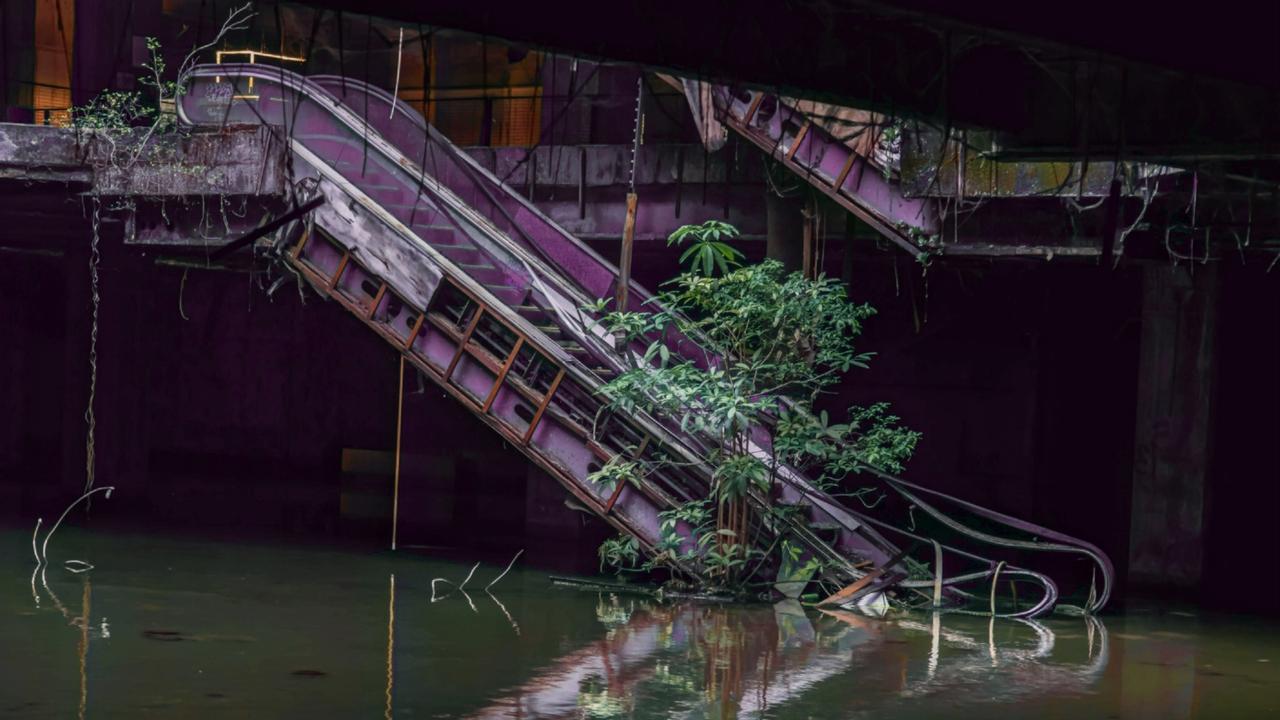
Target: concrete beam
x=232 y=161
x=1006 y=67
x=965 y=167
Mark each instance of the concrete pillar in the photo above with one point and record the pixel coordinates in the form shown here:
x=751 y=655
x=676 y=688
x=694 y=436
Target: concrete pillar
x=1175 y=402
x=784 y=222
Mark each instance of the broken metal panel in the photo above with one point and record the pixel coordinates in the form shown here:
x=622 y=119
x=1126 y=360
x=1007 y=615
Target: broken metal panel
x=828 y=164
x=400 y=265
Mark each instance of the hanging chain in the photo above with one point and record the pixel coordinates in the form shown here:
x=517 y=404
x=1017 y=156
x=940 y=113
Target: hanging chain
x=94 y=258
x=638 y=133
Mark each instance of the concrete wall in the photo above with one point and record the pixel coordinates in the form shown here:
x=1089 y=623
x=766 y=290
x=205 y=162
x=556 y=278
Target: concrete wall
x=235 y=416
x=1175 y=410
x=1241 y=566
x=1022 y=384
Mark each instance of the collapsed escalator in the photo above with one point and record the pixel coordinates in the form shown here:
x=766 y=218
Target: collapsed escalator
x=485 y=295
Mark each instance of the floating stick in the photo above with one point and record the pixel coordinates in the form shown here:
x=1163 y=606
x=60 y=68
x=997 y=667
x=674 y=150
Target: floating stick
x=504 y=572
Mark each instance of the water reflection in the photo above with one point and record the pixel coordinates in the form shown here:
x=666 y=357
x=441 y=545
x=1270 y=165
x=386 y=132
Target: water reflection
x=81 y=623
x=208 y=630
x=704 y=661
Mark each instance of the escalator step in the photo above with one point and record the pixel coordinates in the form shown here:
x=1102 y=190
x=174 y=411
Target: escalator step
x=507 y=294
x=449 y=249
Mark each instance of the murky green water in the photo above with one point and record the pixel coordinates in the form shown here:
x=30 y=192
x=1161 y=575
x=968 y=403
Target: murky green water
x=176 y=628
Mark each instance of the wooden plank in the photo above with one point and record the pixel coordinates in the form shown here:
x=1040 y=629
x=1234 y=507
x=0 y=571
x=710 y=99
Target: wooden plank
x=624 y=264
x=462 y=344
x=854 y=588
x=542 y=408
x=502 y=374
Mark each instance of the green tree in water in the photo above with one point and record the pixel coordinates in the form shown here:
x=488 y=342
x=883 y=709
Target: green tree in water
x=774 y=342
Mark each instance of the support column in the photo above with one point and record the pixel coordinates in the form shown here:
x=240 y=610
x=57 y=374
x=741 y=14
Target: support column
x=784 y=220
x=1175 y=402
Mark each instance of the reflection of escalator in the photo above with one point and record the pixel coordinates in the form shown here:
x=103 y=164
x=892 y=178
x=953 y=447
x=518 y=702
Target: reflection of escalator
x=686 y=661
x=698 y=661
x=482 y=293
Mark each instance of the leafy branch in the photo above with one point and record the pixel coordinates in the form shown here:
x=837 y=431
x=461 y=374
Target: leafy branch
x=774 y=343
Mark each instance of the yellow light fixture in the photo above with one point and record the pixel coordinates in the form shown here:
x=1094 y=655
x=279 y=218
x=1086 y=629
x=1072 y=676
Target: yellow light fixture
x=253 y=56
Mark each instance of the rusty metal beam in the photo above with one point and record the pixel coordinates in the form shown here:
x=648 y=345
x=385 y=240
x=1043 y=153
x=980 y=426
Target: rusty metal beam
x=546 y=400
x=462 y=344
x=502 y=374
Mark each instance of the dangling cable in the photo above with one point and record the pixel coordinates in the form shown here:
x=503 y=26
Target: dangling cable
x=395 y=92
x=90 y=419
